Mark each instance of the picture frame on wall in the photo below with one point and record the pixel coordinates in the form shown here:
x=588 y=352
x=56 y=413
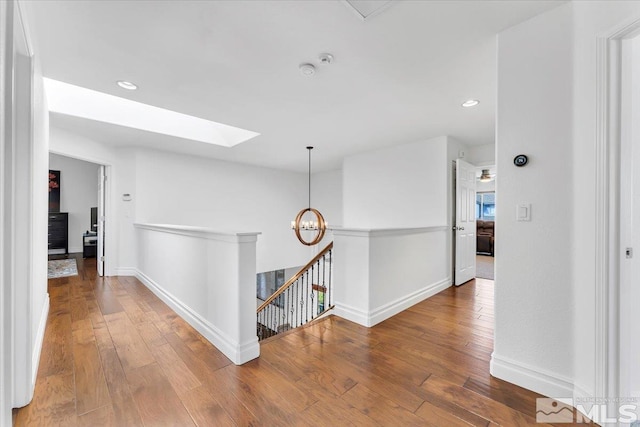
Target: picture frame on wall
x=54 y=191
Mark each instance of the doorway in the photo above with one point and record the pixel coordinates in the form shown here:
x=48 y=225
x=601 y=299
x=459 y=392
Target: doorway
x=76 y=215
x=617 y=201
x=485 y=212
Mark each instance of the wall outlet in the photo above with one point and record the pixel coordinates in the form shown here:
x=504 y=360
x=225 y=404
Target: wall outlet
x=461 y=154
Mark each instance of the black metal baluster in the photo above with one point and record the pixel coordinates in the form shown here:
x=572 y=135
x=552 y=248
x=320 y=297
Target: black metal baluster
x=293 y=305
x=324 y=271
x=300 y=286
x=306 y=296
x=330 y=284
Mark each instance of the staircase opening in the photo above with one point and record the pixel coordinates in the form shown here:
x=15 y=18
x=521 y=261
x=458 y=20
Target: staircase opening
x=306 y=296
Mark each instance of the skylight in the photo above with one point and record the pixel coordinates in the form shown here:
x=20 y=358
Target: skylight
x=77 y=101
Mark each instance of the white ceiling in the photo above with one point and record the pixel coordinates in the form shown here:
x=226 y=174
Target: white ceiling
x=398 y=77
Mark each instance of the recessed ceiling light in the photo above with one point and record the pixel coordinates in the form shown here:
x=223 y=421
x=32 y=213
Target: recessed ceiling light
x=127 y=85
x=470 y=103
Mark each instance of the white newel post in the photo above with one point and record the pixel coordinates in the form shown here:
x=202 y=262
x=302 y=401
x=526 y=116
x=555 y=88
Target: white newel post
x=248 y=347
x=351 y=268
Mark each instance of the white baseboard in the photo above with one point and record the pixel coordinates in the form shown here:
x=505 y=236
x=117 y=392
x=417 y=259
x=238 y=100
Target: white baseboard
x=37 y=350
x=531 y=378
x=75 y=249
x=239 y=353
x=352 y=314
x=580 y=392
x=125 y=271
x=390 y=309
x=394 y=307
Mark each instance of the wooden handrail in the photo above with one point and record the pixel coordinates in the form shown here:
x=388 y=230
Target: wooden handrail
x=295 y=277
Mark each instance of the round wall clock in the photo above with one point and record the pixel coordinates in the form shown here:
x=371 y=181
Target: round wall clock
x=520 y=160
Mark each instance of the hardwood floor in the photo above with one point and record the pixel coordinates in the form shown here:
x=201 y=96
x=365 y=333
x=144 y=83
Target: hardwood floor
x=115 y=355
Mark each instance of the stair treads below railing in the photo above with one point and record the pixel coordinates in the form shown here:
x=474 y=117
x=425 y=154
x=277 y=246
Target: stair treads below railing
x=304 y=297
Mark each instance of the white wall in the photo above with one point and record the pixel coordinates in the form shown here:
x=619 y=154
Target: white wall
x=533 y=292
x=402 y=186
x=120 y=238
x=187 y=190
x=326 y=196
x=481 y=155
x=79 y=193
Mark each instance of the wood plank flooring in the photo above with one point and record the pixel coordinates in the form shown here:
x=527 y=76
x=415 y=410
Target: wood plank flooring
x=115 y=355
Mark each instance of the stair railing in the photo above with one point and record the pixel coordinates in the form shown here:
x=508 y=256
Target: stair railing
x=305 y=296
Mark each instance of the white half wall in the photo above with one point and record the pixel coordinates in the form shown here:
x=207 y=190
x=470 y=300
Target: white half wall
x=79 y=193
x=208 y=278
x=379 y=273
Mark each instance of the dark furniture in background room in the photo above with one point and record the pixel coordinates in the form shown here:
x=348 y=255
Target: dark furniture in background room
x=485 y=237
x=58 y=232
x=90 y=237
x=94 y=219
x=89 y=244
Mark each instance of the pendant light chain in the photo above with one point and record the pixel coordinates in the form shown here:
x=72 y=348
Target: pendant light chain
x=309 y=148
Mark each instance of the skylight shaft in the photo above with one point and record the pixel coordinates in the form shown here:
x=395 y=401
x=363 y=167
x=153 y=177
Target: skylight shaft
x=77 y=101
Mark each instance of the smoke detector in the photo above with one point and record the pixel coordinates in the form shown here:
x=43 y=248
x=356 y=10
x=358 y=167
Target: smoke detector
x=326 y=58
x=307 y=69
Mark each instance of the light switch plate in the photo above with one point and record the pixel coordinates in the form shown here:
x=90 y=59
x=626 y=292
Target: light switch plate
x=523 y=212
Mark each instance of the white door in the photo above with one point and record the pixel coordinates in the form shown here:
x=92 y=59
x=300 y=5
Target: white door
x=465 y=226
x=101 y=201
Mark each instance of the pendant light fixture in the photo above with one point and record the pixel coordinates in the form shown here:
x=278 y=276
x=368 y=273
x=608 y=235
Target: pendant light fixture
x=319 y=225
